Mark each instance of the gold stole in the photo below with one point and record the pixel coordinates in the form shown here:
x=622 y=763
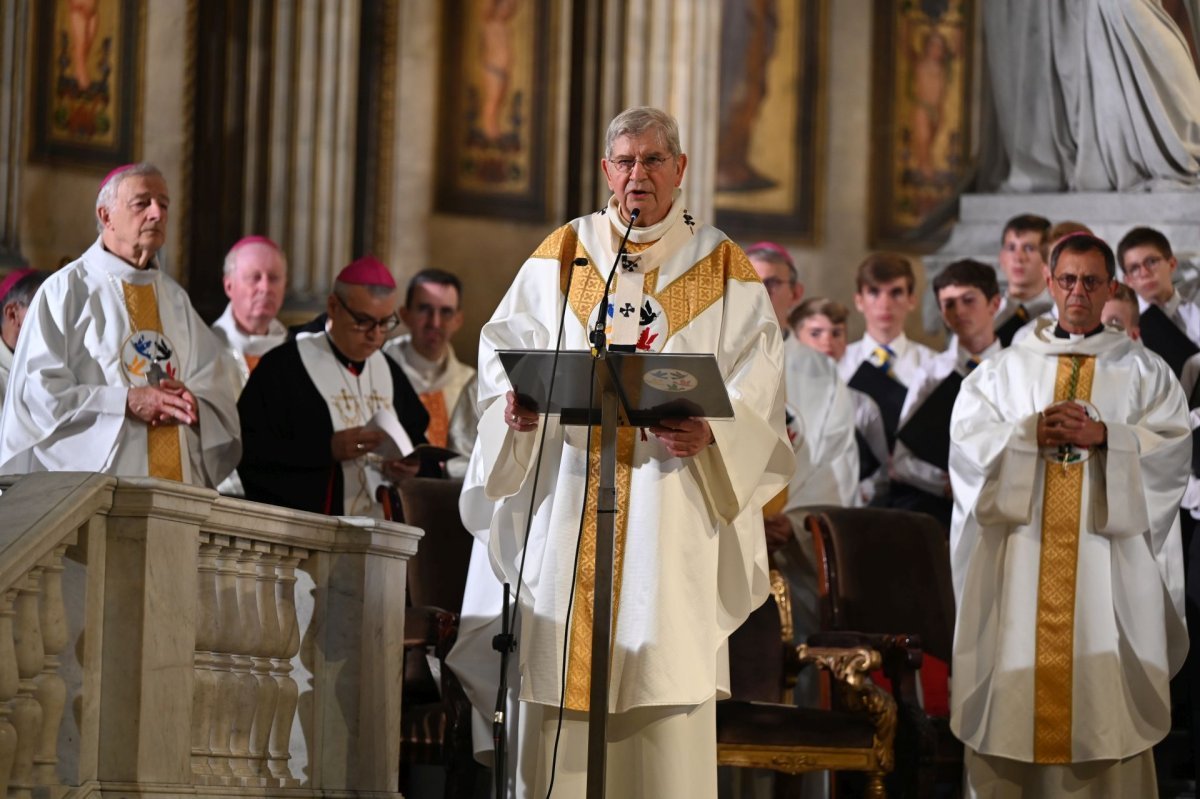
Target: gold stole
x=163 y=451
x=1055 y=648
x=438 y=432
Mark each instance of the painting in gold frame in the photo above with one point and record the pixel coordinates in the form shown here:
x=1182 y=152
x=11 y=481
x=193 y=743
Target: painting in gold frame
x=85 y=81
x=770 y=100
x=492 y=158
x=920 y=153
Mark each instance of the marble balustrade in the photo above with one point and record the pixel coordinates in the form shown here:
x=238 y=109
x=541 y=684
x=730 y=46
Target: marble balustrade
x=158 y=639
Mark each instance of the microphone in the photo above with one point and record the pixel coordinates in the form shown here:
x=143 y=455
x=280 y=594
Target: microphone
x=599 y=340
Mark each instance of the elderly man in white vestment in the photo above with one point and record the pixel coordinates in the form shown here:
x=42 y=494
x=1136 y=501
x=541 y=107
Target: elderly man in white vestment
x=255 y=277
x=115 y=372
x=690 y=551
x=1069 y=455
x=16 y=292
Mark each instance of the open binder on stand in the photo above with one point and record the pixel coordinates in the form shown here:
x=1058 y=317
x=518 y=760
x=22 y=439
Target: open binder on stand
x=615 y=389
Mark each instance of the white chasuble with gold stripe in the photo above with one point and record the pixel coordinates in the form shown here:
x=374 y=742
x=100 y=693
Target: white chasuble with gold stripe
x=1068 y=569
x=352 y=401
x=690 y=553
x=97 y=328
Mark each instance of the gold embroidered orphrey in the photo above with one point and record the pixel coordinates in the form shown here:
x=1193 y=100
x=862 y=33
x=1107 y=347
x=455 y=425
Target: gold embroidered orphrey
x=1053 y=673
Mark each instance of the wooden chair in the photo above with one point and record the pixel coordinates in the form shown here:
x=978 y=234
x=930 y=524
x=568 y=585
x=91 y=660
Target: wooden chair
x=887 y=572
x=435 y=713
x=758 y=727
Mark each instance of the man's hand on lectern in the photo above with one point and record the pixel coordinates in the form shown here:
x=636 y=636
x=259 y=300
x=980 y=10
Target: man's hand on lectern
x=684 y=437
x=517 y=417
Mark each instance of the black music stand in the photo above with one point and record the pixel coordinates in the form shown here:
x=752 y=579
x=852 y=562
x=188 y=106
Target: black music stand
x=625 y=390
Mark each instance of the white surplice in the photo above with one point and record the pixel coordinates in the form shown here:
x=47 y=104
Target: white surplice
x=6 y=357
x=818 y=396
x=694 y=554
x=241 y=344
x=449 y=377
x=65 y=409
x=1128 y=635
x=907 y=467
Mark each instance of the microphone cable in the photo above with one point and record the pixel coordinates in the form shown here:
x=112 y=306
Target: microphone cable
x=510 y=623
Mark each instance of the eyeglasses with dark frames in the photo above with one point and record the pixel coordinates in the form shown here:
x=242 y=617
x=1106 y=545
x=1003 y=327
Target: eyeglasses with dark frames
x=365 y=324
x=1089 y=282
x=651 y=163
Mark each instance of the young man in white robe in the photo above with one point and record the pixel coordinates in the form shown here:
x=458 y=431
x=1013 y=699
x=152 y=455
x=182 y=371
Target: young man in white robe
x=115 y=372
x=967 y=295
x=432 y=312
x=255 y=277
x=1069 y=455
x=1022 y=260
x=16 y=292
x=691 y=557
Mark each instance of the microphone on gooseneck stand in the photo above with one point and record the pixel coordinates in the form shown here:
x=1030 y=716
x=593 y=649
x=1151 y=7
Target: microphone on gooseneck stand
x=506 y=642
x=599 y=340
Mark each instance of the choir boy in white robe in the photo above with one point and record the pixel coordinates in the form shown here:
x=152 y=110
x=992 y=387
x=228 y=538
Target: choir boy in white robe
x=820 y=324
x=307 y=407
x=16 y=292
x=254 y=281
x=691 y=560
x=1069 y=455
x=1022 y=260
x=432 y=312
x=967 y=296
x=114 y=371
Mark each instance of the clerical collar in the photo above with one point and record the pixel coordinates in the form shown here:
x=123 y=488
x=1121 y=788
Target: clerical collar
x=1060 y=333
x=354 y=366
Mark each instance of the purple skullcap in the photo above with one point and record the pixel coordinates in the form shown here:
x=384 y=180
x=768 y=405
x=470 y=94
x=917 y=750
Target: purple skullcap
x=248 y=240
x=13 y=278
x=771 y=246
x=113 y=174
x=367 y=271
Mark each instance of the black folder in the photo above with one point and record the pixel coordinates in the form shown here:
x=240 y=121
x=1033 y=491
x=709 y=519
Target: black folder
x=927 y=431
x=1006 y=331
x=651 y=386
x=888 y=394
x=1196 y=452
x=867 y=462
x=1163 y=336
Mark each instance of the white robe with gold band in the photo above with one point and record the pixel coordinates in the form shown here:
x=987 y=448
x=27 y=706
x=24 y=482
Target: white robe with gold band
x=690 y=555
x=77 y=358
x=240 y=344
x=1068 y=579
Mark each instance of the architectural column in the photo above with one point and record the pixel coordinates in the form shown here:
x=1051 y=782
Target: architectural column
x=14 y=33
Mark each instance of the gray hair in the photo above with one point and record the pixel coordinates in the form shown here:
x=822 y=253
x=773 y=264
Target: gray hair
x=341 y=290
x=640 y=119
x=23 y=290
x=231 y=257
x=107 y=197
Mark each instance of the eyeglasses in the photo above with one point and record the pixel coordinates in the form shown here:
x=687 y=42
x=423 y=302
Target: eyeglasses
x=365 y=324
x=1148 y=264
x=651 y=163
x=1090 y=282
x=772 y=283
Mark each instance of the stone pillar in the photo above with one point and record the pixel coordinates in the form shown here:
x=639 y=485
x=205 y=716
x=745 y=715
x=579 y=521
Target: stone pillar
x=311 y=142
x=150 y=625
x=14 y=33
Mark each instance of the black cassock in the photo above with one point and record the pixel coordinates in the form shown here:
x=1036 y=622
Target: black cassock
x=286 y=433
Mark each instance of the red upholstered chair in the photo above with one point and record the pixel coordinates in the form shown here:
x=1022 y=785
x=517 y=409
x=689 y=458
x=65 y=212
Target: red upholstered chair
x=758 y=727
x=888 y=572
x=435 y=714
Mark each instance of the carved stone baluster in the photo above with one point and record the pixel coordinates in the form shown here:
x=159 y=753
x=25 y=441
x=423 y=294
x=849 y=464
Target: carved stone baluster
x=204 y=694
x=51 y=689
x=221 y=664
x=285 y=707
x=9 y=681
x=27 y=712
x=243 y=663
x=270 y=643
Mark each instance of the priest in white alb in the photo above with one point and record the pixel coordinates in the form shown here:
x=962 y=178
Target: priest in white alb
x=254 y=279
x=114 y=371
x=1069 y=456
x=690 y=559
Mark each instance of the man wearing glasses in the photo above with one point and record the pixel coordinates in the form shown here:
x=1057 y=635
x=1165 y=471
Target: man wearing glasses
x=1149 y=267
x=691 y=556
x=306 y=439
x=1069 y=456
